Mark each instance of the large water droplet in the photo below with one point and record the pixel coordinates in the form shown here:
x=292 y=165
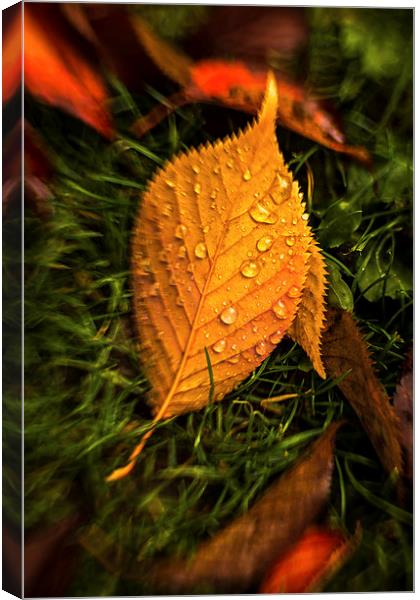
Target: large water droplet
x=247 y=175
x=305 y=216
x=200 y=250
x=279 y=309
x=249 y=268
x=219 y=346
x=283 y=190
x=197 y=188
x=261 y=214
x=294 y=292
x=290 y=241
x=229 y=315
x=180 y=231
x=234 y=359
x=264 y=243
x=261 y=348
x=276 y=336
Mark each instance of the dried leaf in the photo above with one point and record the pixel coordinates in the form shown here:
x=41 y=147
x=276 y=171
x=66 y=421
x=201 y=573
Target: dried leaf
x=403 y=404
x=252 y=33
x=220 y=257
x=236 y=558
x=57 y=73
x=235 y=85
x=343 y=350
x=307 y=566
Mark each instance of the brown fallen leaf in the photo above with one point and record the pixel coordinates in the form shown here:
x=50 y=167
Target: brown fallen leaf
x=403 y=405
x=252 y=33
x=235 y=85
x=57 y=73
x=308 y=565
x=343 y=350
x=220 y=259
x=236 y=559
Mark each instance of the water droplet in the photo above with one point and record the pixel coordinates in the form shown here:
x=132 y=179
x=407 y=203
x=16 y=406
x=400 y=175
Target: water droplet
x=213 y=195
x=257 y=194
x=219 y=346
x=234 y=359
x=290 y=253
x=255 y=329
x=261 y=214
x=305 y=216
x=249 y=268
x=294 y=292
x=190 y=268
x=216 y=170
x=290 y=241
x=206 y=229
x=197 y=188
x=247 y=175
x=281 y=256
x=229 y=164
x=264 y=243
x=180 y=301
x=279 y=309
x=261 y=348
x=180 y=231
x=294 y=221
x=170 y=183
x=182 y=252
x=276 y=336
x=200 y=250
x=229 y=315
x=196 y=169
x=162 y=256
x=154 y=290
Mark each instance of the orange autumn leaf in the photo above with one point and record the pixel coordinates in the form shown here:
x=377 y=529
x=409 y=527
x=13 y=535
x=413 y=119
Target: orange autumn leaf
x=317 y=554
x=220 y=259
x=57 y=73
x=235 y=85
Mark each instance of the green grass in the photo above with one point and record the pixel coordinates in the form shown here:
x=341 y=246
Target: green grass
x=85 y=386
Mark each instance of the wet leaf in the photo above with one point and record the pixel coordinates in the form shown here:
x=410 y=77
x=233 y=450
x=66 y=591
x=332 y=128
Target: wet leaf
x=235 y=85
x=235 y=559
x=221 y=252
x=57 y=73
x=307 y=566
x=345 y=352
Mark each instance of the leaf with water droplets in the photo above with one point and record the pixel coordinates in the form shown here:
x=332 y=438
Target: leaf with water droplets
x=235 y=287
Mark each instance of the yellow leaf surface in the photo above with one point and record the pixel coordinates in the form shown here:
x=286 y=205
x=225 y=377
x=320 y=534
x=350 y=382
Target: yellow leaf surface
x=220 y=258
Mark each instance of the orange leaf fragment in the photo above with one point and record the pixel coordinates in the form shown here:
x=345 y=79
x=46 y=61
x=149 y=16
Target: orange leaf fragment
x=317 y=554
x=221 y=252
x=57 y=73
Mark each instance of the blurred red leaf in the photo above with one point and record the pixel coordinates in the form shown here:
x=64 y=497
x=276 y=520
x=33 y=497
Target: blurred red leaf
x=236 y=85
x=12 y=50
x=58 y=73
